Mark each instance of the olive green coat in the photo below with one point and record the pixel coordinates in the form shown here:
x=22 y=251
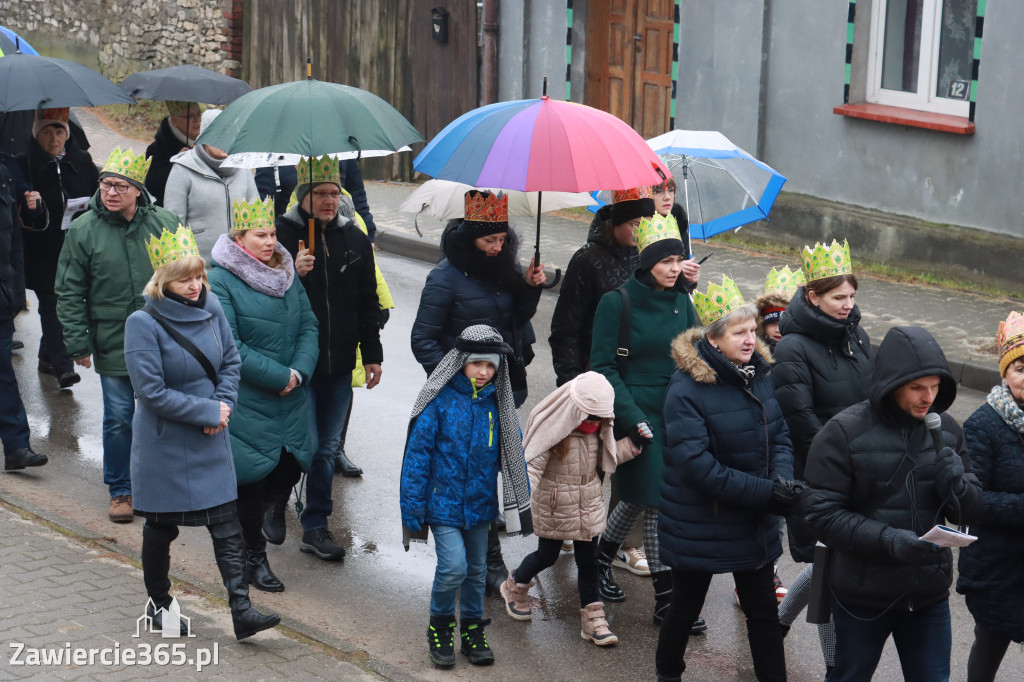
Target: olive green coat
x=657 y=317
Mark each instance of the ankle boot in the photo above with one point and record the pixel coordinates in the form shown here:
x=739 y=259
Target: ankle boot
x=594 y=626
x=274 y=529
x=231 y=562
x=257 y=568
x=441 y=640
x=474 y=641
x=496 y=570
x=606 y=551
x=662 y=594
x=156 y=564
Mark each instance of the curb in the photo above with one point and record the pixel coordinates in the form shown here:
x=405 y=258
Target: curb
x=294 y=629
x=968 y=373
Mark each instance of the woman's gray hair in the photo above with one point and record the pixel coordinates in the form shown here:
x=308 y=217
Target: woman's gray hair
x=716 y=329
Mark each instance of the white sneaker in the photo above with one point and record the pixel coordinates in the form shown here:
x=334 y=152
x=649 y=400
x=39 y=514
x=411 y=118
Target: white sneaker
x=633 y=560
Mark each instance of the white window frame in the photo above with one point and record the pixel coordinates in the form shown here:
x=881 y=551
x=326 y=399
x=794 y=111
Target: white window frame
x=931 y=24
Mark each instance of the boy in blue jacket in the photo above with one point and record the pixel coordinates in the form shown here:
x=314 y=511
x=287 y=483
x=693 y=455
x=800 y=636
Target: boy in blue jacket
x=464 y=428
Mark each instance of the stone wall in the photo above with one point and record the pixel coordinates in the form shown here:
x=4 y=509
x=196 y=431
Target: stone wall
x=120 y=37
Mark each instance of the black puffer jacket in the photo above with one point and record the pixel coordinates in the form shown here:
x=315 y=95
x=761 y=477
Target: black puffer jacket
x=725 y=442
x=12 y=270
x=342 y=289
x=856 y=453
x=57 y=180
x=823 y=366
x=992 y=569
x=164 y=145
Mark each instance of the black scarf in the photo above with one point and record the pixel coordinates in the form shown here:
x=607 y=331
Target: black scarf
x=198 y=303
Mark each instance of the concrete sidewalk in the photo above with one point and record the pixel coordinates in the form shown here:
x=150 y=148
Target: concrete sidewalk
x=963 y=323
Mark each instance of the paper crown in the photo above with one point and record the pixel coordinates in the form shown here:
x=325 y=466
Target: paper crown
x=655 y=229
x=1010 y=339
x=828 y=261
x=319 y=169
x=484 y=207
x=634 y=194
x=784 y=281
x=128 y=165
x=58 y=115
x=258 y=215
x=718 y=302
x=171 y=247
x=177 y=108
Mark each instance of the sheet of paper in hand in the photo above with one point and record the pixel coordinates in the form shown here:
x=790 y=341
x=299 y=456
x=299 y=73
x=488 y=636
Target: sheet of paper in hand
x=944 y=536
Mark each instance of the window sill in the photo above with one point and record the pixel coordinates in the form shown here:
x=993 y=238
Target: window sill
x=907 y=117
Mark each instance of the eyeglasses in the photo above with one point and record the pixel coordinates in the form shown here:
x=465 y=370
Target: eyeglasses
x=120 y=188
x=327 y=195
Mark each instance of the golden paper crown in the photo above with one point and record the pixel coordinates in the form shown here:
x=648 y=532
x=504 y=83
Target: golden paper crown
x=58 y=115
x=128 y=165
x=484 y=207
x=718 y=302
x=171 y=247
x=655 y=229
x=1010 y=340
x=825 y=262
x=785 y=281
x=635 y=194
x=323 y=169
x=258 y=215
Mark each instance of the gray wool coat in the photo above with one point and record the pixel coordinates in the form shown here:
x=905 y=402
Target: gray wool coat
x=175 y=466
x=202 y=196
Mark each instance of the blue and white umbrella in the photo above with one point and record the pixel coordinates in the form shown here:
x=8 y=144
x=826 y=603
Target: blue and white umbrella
x=722 y=186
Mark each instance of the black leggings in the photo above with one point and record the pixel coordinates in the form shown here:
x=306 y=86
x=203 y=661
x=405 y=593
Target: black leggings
x=986 y=655
x=547 y=554
x=254 y=498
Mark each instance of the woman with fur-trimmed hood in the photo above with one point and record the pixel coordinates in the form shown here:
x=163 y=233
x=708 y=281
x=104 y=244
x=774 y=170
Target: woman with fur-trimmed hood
x=728 y=464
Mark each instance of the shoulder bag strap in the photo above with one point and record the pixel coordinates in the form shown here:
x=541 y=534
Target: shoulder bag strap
x=625 y=317
x=184 y=343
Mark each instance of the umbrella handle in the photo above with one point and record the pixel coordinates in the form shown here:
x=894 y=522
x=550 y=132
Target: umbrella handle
x=554 y=282
x=312 y=241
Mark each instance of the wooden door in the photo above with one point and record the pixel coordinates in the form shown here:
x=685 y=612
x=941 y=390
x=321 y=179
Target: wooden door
x=629 y=61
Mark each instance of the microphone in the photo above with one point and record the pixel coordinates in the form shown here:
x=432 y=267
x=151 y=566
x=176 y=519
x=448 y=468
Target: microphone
x=933 y=423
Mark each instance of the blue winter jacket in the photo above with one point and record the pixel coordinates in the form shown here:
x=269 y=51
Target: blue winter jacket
x=452 y=457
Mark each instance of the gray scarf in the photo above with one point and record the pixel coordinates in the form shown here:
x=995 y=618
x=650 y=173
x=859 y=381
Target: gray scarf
x=515 y=484
x=1006 y=407
x=214 y=164
x=258 y=275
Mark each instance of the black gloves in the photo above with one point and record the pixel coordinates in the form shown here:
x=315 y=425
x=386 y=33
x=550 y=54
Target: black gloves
x=949 y=472
x=385 y=315
x=785 y=496
x=641 y=434
x=905 y=546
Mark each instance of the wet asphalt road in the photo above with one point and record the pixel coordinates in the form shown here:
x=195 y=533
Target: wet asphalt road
x=376 y=600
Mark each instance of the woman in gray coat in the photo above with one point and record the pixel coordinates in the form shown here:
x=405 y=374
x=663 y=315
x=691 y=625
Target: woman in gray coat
x=185 y=370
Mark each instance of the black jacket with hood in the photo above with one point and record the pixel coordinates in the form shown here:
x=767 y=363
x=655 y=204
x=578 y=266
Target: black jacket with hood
x=164 y=145
x=823 y=365
x=856 y=453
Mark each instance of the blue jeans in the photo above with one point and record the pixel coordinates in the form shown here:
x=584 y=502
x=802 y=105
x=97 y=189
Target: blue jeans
x=13 y=422
x=118 y=410
x=461 y=564
x=329 y=398
x=923 y=641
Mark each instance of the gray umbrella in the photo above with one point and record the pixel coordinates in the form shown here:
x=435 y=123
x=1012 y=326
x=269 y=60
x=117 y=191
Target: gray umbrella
x=30 y=81
x=185 y=83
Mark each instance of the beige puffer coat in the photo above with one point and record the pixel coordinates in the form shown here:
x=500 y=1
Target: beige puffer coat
x=562 y=461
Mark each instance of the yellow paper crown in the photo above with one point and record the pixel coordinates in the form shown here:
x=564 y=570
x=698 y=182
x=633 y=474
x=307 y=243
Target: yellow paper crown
x=1010 y=340
x=128 y=165
x=828 y=261
x=718 y=302
x=655 y=229
x=785 y=281
x=258 y=215
x=171 y=247
x=319 y=169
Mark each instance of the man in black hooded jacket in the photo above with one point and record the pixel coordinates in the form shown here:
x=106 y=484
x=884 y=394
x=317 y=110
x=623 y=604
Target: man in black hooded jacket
x=877 y=485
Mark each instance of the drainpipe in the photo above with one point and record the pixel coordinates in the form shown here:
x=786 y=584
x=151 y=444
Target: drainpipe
x=489 y=94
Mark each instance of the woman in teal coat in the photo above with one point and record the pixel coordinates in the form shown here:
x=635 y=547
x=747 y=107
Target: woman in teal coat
x=276 y=334
x=640 y=375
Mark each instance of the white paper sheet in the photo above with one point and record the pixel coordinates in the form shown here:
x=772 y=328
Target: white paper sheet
x=74 y=206
x=943 y=536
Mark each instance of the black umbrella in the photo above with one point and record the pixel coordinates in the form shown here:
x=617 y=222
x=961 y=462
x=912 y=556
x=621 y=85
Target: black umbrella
x=185 y=83
x=30 y=81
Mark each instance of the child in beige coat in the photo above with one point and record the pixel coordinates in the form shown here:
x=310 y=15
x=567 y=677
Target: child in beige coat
x=568 y=438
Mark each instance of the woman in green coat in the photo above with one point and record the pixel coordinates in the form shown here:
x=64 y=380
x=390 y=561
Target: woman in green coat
x=639 y=369
x=276 y=333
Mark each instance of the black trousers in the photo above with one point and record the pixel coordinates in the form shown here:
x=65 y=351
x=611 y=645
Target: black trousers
x=756 y=591
x=986 y=655
x=254 y=498
x=585 y=553
x=51 y=343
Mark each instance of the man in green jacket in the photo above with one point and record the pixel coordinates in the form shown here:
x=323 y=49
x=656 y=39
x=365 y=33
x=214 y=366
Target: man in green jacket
x=102 y=270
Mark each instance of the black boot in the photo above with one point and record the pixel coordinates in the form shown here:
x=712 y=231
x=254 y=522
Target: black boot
x=606 y=551
x=156 y=563
x=257 y=568
x=16 y=460
x=274 y=529
x=441 y=640
x=496 y=570
x=662 y=581
x=344 y=466
x=474 y=641
x=231 y=562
